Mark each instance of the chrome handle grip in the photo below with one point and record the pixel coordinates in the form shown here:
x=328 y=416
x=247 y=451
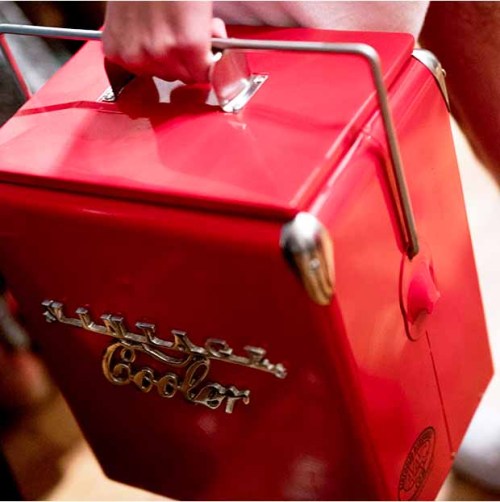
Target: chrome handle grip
x=366 y=52
x=49 y=32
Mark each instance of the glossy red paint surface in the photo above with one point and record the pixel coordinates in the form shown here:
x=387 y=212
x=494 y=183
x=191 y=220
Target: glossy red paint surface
x=440 y=361
x=178 y=223
x=194 y=153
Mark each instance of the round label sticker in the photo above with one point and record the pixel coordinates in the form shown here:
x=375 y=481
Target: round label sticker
x=417 y=465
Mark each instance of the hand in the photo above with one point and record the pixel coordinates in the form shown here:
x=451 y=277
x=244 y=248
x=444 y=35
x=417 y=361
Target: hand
x=169 y=40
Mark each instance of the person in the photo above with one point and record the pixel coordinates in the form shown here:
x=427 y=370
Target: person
x=24 y=381
x=171 y=40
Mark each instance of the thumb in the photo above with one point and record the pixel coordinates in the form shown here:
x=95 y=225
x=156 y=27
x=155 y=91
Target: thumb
x=218 y=28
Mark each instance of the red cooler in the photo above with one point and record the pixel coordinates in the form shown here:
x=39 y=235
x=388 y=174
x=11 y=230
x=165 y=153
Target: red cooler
x=264 y=290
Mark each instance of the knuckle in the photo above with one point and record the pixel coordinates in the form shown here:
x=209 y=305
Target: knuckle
x=124 y=55
x=109 y=46
x=192 y=44
x=158 y=51
x=132 y=56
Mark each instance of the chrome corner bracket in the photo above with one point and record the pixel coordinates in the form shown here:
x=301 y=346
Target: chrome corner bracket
x=308 y=248
x=428 y=59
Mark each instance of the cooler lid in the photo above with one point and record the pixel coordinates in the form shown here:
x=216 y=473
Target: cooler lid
x=270 y=158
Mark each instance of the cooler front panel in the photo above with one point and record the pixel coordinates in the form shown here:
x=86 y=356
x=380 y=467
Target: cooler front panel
x=211 y=276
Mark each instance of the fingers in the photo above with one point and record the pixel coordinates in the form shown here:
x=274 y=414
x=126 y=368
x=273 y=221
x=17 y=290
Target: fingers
x=170 y=40
x=218 y=28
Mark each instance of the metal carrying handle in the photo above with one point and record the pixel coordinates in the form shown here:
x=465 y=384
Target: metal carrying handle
x=368 y=53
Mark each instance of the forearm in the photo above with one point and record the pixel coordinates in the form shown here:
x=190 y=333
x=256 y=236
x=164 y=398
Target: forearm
x=465 y=36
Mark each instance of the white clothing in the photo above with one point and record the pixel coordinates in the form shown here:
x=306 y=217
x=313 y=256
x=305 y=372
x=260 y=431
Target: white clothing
x=402 y=16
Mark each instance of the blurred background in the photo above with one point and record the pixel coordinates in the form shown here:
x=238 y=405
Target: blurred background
x=46 y=452
x=39 y=59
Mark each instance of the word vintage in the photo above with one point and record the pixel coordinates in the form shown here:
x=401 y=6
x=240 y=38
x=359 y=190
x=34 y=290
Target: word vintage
x=119 y=361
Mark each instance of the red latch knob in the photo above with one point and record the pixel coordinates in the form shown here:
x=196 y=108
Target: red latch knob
x=422 y=293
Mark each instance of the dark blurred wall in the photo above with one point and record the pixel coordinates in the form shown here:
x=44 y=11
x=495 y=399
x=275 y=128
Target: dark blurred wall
x=39 y=58
x=85 y=15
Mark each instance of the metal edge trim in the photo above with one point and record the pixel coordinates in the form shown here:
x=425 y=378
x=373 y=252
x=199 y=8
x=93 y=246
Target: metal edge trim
x=431 y=62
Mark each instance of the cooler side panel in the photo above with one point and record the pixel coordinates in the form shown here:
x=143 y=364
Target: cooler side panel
x=436 y=379
x=396 y=376
x=456 y=328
